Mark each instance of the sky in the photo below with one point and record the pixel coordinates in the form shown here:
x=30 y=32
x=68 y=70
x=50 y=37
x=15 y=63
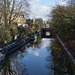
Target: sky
x=41 y=8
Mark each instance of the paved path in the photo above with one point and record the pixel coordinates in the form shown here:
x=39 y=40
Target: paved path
x=70 y=55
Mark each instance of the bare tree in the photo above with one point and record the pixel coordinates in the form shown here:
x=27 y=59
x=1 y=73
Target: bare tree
x=11 y=9
x=71 y=2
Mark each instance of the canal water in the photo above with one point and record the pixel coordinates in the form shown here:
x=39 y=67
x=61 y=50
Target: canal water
x=37 y=58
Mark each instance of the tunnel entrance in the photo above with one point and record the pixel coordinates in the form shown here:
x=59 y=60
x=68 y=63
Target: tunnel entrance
x=47 y=33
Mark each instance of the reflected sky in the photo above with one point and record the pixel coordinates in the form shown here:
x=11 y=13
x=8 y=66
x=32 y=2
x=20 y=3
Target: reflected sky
x=43 y=57
x=33 y=59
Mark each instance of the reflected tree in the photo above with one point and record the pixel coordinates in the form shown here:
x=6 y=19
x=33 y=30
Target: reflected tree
x=61 y=64
x=8 y=70
x=36 y=43
x=20 y=68
x=18 y=65
x=50 y=62
x=15 y=66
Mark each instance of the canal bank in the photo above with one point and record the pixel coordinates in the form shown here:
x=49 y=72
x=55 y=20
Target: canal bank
x=41 y=57
x=62 y=62
x=70 y=57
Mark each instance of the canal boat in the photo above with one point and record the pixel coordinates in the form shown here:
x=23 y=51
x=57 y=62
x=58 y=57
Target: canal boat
x=33 y=37
x=13 y=47
x=27 y=39
x=2 y=55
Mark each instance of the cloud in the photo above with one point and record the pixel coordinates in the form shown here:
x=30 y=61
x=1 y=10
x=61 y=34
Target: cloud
x=36 y=53
x=35 y=1
x=39 y=11
x=45 y=43
x=63 y=2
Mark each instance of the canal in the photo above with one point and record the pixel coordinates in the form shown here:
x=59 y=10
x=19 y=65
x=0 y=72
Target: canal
x=41 y=57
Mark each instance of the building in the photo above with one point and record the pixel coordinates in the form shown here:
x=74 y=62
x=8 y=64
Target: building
x=29 y=22
x=21 y=21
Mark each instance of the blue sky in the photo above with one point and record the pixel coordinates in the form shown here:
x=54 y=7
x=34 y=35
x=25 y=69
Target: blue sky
x=48 y=2
x=41 y=8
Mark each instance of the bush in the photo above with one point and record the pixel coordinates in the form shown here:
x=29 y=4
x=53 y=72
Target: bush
x=5 y=34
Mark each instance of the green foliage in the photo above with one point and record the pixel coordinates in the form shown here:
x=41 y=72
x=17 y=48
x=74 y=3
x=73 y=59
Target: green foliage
x=5 y=35
x=63 y=23
x=21 y=30
x=63 y=19
x=29 y=30
x=13 y=31
x=36 y=27
x=15 y=23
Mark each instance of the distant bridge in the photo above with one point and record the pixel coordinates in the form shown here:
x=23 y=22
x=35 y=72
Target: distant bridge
x=46 y=33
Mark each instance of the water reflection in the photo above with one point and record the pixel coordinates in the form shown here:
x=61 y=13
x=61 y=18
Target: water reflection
x=8 y=70
x=31 y=60
x=61 y=63
x=19 y=67
x=36 y=58
x=42 y=57
x=35 y=52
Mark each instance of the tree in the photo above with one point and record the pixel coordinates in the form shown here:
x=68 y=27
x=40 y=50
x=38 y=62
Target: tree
x=11 y=9
x=5 y=35
x=21 y=30
x=63 y=20
x=39 y=21
x=63 y=23
x=36 y=27
x=14 y=32
x=29 y=30
x=71 y=2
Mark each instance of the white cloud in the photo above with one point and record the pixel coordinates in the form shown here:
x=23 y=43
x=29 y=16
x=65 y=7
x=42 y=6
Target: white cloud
x=36 y=53
x=63 y=2
x=39 y=11
x=35 y=1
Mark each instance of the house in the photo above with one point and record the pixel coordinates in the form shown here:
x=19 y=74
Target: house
x=21 y=21
x=29 y=22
